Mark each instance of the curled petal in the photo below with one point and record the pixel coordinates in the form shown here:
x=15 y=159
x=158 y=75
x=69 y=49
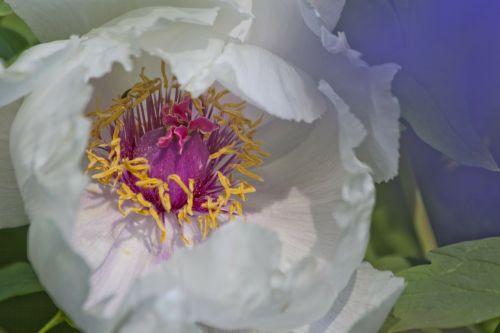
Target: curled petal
x=81 y=16
x=182 y=110
x=165 y=140
x=269 y=83
x=32 y=68
x=328 y=11
x=181 y=133
x=269 y=298
x=203 y=124
x=326 y=56
x=169 y=120
x=363 y=305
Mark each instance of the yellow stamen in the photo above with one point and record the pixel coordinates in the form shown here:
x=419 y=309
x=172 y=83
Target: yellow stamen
x=223 y=151
x=107 y=164
x=247 y=173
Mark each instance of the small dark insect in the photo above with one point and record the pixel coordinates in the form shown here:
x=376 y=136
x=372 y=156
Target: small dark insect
x=125 y=93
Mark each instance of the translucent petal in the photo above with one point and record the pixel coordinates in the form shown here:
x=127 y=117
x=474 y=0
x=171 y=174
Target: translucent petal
x=363 y=305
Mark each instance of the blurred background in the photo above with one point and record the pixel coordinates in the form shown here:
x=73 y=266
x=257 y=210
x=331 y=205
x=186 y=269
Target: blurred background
x=448 y=89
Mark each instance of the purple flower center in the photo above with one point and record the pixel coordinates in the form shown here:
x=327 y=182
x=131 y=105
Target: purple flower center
x=169 y=155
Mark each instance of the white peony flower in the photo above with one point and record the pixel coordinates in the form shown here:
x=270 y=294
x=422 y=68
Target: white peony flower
x=132 y=245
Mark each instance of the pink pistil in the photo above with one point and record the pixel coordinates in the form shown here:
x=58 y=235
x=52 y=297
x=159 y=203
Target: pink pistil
x=179 y=122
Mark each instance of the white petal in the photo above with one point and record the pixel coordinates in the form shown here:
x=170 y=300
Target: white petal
x=190 y=52
x=365 y=89
x=55 y=19
x=117 y=249
x=162 y=314
x=61 y=271
x=328 y=10
x=319 y=197
x=275 y=296
x=32 y=68
x=269 y=83
x=119 y=40
x=47 y=159
x=142 y=19
x=322 y=223
x=11 y=204
x=364 y=304
x=198 y=60
x=318 y=13
x=58 y=19
x=234 y=281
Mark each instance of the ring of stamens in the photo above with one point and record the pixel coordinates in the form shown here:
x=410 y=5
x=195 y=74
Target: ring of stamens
x=232 y=151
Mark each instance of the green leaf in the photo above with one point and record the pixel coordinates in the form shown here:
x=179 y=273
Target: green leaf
x=392 y=263
x=58 y=319
x=26 y=314
x=11 y=43
x=460 y=287
x=5 y=9
x=391 y=231
x=53 y=322
x=14 y=245
x=490 y=326
x=15 y=23
x=18 y=279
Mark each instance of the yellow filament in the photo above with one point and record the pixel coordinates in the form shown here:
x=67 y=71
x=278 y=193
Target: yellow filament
x=247 y=172
x=223 y=151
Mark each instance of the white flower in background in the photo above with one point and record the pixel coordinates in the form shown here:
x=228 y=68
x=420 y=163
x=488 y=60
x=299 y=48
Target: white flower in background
x=129 y=153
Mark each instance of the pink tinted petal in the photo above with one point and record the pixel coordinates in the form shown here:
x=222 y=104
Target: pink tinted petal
x=169 y=120
x=165 y=140
x=203 y=124
x=183 y=109
x=181 y=133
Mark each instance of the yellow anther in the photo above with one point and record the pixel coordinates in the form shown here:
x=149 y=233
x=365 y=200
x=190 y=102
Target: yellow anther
x=165 y=197
x=227 y=150
x=188 y=190
x=226 y=184
x=149 y=183
x=247 y=173
x=179 y=182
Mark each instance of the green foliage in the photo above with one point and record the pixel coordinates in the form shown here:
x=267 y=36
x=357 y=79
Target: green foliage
x=34 y=308
x=27 y=314
x=5 y=9
x=392 y=233
x=15 y=35
x=14 y=22
x=14 y=243
x=18 y=279
x=460 y=287
x=11 y=43
x=59 y=318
